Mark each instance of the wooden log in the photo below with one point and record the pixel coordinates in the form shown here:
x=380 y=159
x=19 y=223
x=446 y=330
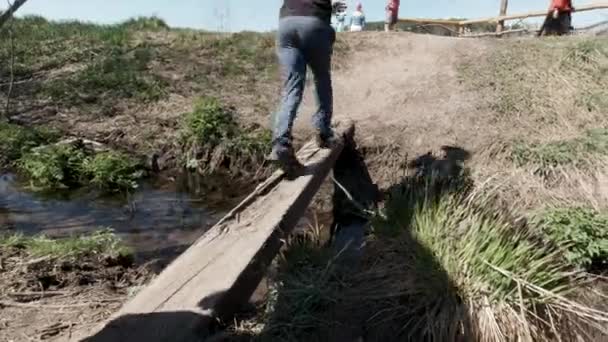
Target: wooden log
x=429 y=21
x=221 y=270
x=542 y=13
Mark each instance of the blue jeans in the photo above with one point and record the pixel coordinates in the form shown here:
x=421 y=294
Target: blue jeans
x=304 y=42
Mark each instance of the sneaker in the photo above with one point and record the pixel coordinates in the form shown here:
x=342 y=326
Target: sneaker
x=286 y=158
x=326 y=140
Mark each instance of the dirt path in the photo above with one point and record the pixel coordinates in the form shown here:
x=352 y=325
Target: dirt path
x=404 y=88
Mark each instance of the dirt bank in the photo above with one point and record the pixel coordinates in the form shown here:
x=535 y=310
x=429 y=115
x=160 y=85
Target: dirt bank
x=49 y=288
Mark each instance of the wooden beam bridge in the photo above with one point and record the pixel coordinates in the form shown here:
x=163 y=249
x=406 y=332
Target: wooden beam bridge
x=221 y=270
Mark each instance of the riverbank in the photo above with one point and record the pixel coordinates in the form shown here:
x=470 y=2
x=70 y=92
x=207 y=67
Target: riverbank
x=49 y=286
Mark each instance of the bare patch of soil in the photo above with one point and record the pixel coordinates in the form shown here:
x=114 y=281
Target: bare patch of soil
x=47 y=298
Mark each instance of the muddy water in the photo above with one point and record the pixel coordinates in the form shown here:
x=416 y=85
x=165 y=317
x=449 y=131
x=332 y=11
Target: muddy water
x=157 y=220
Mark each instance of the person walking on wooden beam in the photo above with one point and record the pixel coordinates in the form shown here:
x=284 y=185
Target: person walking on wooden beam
x=305 y=39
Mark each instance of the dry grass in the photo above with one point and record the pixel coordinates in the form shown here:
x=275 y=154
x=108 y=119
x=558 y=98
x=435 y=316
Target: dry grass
x=441 y=265
x=549 y=98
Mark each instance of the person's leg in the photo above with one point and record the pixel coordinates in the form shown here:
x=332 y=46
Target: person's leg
x=318 y=50
x=387 y=23
x=293 y=73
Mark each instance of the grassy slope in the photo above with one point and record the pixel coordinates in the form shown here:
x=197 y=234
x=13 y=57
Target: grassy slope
x=128 y=85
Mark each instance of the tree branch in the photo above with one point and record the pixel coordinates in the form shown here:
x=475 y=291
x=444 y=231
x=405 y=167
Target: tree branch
x=12 y=71
x=6 y=15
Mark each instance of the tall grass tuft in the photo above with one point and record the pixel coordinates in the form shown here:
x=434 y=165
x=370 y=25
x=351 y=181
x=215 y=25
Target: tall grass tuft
x=460 y=270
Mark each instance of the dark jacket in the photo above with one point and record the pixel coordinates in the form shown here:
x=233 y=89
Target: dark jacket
x=321 y=9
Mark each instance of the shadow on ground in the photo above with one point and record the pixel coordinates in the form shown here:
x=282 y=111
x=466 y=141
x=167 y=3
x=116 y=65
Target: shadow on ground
x=319 y=297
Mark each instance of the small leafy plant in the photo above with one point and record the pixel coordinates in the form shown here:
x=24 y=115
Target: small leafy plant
x=70 y=166
x=16 y=140
x=54 y=166
x=582 y=231
x=113 y=171
x=212 y=136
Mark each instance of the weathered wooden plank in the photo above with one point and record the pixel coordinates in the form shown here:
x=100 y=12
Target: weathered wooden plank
x=221 y=270
x=541 y=13
x=446 y=22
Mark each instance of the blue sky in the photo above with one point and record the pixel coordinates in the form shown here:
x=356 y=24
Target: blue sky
x=261 y=15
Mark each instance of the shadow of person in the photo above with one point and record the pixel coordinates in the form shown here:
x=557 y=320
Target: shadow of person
x=154 y=327
x=379 y=298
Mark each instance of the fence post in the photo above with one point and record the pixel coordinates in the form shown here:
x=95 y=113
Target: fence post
x=503 y=11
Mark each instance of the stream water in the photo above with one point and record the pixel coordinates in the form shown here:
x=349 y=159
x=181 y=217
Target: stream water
x=159 y=219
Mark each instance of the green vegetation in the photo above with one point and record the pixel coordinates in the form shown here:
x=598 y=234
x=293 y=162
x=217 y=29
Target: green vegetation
x=576 y=152
x=455 y=257
x=49 y=165
x=70 y=166
x=102 y=61
x=43 y=45
x=103 y=243
x=307 y=287
x=112 y=171
x=16 y=140
x=582 y=232
x=211 y=133
x=451 y=265
x=54 y=166
x=208 y=123
x=116 y=75
x=145 y=24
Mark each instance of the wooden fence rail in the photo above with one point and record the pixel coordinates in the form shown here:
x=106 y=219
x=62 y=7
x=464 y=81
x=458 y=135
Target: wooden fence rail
x=460 y=25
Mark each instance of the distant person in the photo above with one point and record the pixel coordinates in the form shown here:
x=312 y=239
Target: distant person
x=392 y=15
x=305 y=39
x=559 y=20
x=357 y=20
x=340 y=21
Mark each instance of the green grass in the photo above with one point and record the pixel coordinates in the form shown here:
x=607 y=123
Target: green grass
x=102 y=243
x=108 y=65
x=117 y=75
x=16 y=140
x=43 y=45
x=145 y=24
x=582 y=232
x=68 y=166
x=113 y=171
x=308 y=286
x=212 y=128
x=240 y=55
x=575 y=152
x=457 y=257
x=208 y=123
x=54 y=166
x=451 y=266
